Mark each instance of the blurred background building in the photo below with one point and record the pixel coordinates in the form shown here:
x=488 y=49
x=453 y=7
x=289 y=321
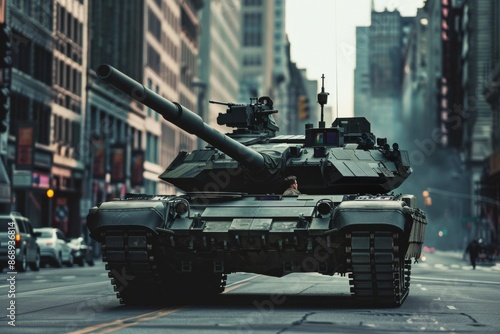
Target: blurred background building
x=429 y=82
x=219 y=60
x=441 y=76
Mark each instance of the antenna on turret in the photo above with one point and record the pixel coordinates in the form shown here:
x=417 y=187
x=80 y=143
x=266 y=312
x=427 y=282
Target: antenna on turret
x=322 y=99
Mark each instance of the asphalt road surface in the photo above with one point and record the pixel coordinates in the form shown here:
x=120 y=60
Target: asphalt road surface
x=446 y=295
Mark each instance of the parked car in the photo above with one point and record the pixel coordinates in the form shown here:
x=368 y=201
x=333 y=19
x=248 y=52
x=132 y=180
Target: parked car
x=82 y=253
x=54 y=247
x=17 y=229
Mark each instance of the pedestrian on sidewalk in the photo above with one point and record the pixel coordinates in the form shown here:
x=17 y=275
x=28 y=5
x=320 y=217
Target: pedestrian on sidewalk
x=473 y=249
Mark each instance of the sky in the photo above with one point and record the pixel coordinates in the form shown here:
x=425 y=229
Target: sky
x=315 y=44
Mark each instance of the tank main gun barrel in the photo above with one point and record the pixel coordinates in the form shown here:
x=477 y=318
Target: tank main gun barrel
x=182 y=117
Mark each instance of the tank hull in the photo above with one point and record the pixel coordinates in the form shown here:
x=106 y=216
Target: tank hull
x=160 y=242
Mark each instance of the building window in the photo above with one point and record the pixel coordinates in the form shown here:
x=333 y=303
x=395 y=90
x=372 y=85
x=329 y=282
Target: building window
x=252 y=3
x=150 y=186
x=252 y=60
x=43 y=65
x=153 y=59
x=252 y=29
x=150 y=86
x=21 y=59
x=157 y=91
x=41 y=115
x=152 y=148
x=20 y=104
x=154 y=25
x=63 y=20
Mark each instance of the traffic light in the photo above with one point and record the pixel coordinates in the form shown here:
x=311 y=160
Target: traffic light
x=427 y=198
x=50 y=193
x=303 y=107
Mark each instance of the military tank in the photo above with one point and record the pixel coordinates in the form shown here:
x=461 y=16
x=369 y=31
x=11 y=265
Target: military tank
x=232 y=215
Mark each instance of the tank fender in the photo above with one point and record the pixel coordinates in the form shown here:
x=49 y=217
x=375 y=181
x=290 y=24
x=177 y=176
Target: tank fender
x=127 y=214
x=349 y=214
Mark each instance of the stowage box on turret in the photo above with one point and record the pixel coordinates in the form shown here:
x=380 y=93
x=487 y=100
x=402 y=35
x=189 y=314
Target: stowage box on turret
x=232 y=216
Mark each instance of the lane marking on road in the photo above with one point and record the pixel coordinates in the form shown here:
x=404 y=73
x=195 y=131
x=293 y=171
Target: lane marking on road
x=116 y=325
x=68 y=277
x=70 y=287
x=454 y=280
x=234 y=287
x=451 y=307
x=238 y=284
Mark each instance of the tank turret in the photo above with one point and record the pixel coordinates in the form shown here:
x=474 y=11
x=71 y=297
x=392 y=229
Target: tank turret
x=343 y=158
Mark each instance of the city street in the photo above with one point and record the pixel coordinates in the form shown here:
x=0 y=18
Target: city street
x=446 y=295
x=196 y=146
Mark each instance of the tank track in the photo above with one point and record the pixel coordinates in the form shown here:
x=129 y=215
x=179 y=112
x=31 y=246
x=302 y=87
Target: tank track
x=139 y=278
x=380 y=275
x=130 y=262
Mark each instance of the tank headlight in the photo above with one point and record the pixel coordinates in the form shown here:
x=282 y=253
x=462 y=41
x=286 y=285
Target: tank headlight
x=324 y=208
x=181 y=208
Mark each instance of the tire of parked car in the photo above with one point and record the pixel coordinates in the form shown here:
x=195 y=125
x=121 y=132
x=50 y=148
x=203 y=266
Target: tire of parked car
x=22 y=265
x=57 y=261
x=35 y=265
x=70 y=261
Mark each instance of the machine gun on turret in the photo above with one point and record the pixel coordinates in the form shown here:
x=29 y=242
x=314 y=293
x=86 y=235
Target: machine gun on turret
x=255 y=117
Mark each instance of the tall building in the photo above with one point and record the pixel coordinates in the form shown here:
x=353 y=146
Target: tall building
x=489 y=184
x=281 y=75
x=219 y=58
x=491 y=90
x=385 y=41
x=68 y=112
x=414 y=92
x=156 y=43
x=477 y=49
x=303 y=107
x=426 y=115
x=431 y=119
x=30 y=160
x=265 y=57
x=5 y=83
x=188 y=32
x=362 y=71
x=115 y=126
x=257 y=52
